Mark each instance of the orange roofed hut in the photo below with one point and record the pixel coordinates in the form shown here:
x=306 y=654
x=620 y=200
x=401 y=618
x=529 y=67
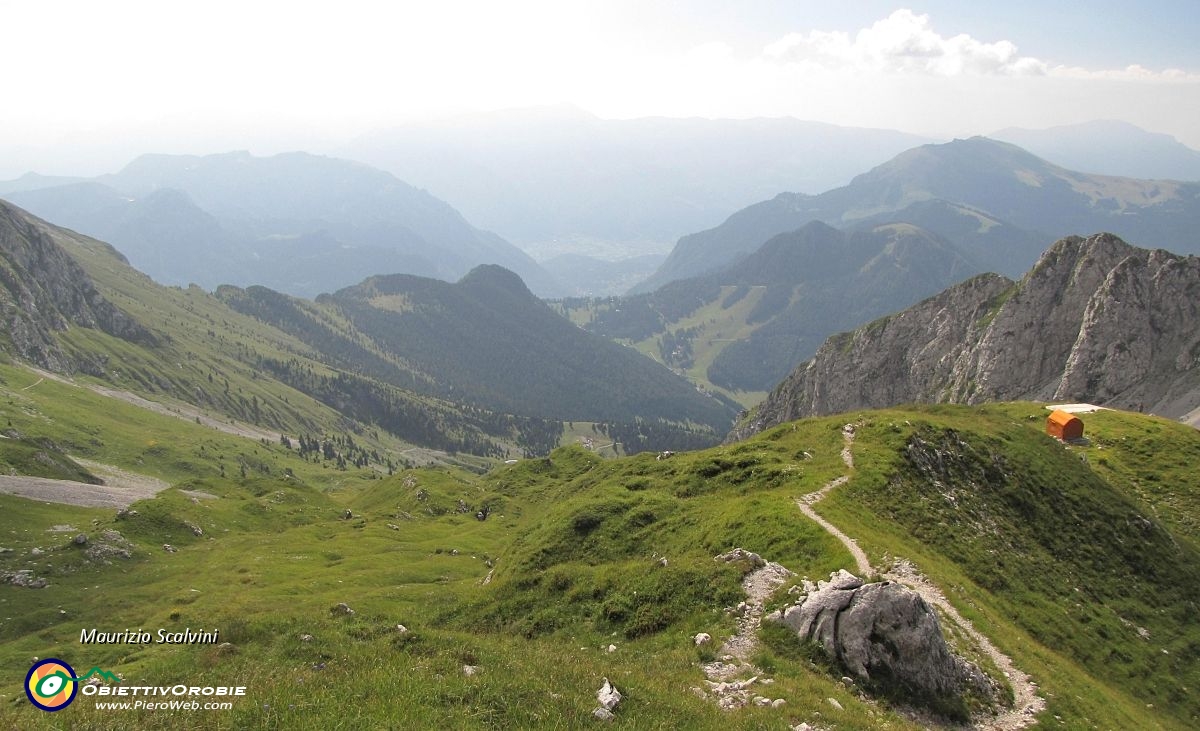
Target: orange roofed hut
x=1064 y=426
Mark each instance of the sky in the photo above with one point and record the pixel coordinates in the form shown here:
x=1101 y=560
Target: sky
x=90 y=85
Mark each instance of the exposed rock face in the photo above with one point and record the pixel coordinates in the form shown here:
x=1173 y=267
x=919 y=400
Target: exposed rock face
x=43 y=290
x=1095 y=320
x=886 y=636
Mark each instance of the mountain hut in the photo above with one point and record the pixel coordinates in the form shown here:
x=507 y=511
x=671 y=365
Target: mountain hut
x=1064 y=426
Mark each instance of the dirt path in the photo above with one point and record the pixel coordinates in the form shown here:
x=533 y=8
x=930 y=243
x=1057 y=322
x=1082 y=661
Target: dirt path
x=722 y=676
x=806 y=502
x=758 y=585
x=1027 y=703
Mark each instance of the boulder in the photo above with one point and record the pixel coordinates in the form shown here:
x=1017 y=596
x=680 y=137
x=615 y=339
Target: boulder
x=885 y=636
x=608 y=696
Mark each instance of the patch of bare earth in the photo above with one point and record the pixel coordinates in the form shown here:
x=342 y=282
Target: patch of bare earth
x=121 y=488
x=733 y=680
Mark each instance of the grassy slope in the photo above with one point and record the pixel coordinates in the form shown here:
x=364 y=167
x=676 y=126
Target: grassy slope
x=208 y=357
x=575 y=541
x=717 y=326
x=1052 y=561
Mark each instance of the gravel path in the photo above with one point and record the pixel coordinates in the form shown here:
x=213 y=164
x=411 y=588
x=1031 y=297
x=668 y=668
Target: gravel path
x=1027 y=703
x=728 y=684
x=758 y=585
x=806 y=502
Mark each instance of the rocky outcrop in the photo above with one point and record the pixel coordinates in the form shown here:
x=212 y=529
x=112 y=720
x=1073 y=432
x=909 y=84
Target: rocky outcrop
x=887 y=638
x=43 y=291
x=1095 y=320
x=609 y=698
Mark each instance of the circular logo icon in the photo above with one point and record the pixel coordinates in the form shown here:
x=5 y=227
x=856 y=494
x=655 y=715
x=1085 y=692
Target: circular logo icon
x=51 y=684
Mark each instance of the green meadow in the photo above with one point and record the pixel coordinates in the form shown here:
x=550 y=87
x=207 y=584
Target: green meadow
x=1059 y=555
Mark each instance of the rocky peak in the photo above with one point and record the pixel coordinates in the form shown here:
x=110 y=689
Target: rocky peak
x=1095 y=320
x=44 y=290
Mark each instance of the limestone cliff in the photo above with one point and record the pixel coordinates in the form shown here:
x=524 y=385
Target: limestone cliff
x=44 y=290
x=1095 y=320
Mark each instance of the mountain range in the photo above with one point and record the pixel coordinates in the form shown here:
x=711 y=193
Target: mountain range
x=1109 y=147
x=299 y=223
x=365 y=495
x=559 y=180
x=744 y=327
x=480 y=367
x=997 y=202
x=1096 y=320
x=483 y=342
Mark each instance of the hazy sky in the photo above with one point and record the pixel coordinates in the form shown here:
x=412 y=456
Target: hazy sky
x=88 y=85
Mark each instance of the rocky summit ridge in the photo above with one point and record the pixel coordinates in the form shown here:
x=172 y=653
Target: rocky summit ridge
x=43 y=290
x=1095 y=320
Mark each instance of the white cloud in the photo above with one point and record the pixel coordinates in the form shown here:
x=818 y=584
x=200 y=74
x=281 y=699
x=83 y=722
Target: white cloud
x=904 y=42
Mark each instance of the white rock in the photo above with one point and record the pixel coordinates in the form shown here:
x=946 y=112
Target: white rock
x=834 y=702
x=844 y=580
x=469 y=670
x=702 y=638
x=608 y=696
x=603 y=714
x=611 y=649
x=778 y=703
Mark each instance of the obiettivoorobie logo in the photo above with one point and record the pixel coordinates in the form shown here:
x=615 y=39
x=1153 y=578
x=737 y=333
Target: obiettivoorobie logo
x=51 y=683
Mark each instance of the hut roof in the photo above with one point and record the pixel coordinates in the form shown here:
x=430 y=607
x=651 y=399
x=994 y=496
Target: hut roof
x=1061 y=418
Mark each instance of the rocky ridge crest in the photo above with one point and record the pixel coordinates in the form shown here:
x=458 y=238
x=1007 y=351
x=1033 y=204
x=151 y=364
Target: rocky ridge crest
x=1095 y=320
x=43 y=290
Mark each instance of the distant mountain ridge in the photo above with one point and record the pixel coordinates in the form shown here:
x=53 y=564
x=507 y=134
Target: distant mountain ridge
x=486 y=342
x=299 y=223
x=560 y=180
x=480 y=368
x=1109 y=147
x=746 y=326
x=998 y=202
x=1095 y=320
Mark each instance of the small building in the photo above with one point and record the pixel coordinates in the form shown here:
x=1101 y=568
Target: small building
x=1064 y=426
